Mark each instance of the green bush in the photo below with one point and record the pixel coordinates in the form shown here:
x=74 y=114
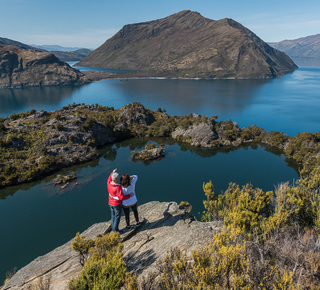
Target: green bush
x=277 y=139
x=59 y=126
x=268 y=241
x=88 y=123
x=82 y=246
x=105 y=268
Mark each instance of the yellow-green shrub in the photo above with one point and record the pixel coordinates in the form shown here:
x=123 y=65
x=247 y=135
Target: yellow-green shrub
x=105 y=269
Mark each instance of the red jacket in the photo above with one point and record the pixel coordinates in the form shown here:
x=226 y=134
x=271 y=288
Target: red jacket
x=115 y=193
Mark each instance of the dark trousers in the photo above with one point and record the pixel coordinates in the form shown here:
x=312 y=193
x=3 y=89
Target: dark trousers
x=115 y=217
x=126 y=213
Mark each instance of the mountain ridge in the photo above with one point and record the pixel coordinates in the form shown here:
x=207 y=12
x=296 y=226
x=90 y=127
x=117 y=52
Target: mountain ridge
x=14 y=42
x=303 y=47
x=75 y=55
x=186 y=44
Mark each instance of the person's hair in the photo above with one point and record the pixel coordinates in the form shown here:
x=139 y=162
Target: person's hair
x=125 y=180
x=115 y=177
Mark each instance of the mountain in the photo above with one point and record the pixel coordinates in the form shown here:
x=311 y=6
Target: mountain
x=72 y=55
x=189 y=45
x=21 y=66
x=302 y=47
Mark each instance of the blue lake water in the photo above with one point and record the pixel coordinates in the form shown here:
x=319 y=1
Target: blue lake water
x=37 y=217
x=288 y=104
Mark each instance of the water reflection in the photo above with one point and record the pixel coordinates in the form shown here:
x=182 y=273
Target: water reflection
x=192 y=96
x=45 y=216
x=21 y=100
x=288 y=104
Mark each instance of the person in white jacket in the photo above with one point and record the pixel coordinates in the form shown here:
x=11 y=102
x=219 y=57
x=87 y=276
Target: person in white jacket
x=128 y=184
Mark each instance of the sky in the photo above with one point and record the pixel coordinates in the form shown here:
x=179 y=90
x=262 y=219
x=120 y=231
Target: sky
x=89 y=23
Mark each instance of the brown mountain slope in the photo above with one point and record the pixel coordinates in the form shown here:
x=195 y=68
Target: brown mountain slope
x=22 y=67
x=186 y=44
x=302 y=47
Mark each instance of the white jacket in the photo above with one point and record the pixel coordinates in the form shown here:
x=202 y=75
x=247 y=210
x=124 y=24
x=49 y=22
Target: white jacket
x=127 y=190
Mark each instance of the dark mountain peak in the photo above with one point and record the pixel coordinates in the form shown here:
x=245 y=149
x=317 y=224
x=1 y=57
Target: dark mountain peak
x=186 y=19
x=186 y=44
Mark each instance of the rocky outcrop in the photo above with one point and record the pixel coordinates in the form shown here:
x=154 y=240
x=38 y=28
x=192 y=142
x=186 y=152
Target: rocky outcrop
x=73 y=134
x=166 y=225
x=210 y=134
x=188 y=45
x=200 y=135
x=133 y=114
x=151 y=152
x=25 y=67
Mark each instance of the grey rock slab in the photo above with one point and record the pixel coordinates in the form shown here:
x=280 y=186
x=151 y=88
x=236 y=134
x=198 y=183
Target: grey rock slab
x=59 y=265
x=164 y=225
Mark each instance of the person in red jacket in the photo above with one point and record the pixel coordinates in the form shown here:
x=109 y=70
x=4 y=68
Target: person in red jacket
x=115 y=199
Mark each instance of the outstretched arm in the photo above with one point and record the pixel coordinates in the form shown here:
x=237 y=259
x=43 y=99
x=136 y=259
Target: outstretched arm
x=121 y=196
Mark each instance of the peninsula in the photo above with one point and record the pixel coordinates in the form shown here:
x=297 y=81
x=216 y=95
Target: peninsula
x=34 y=144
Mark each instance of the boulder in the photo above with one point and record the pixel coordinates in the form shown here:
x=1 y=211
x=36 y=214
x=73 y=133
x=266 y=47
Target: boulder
x=202 y=134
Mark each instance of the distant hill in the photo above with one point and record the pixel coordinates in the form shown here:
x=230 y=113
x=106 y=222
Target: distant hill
x=72 y=55
x=22 y=65
x=188 y=45
x=308 y=47
x=56 y=47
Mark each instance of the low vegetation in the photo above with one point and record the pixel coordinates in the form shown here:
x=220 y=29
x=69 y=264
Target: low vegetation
x=34 y=144
x=270 y=240
x=105 y=269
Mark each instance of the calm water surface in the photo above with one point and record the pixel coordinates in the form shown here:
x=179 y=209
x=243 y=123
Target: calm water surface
x=37 y=217
x=289 y=104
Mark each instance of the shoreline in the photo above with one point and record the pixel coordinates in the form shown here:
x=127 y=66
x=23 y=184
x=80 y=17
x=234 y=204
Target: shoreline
x=60 y=144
